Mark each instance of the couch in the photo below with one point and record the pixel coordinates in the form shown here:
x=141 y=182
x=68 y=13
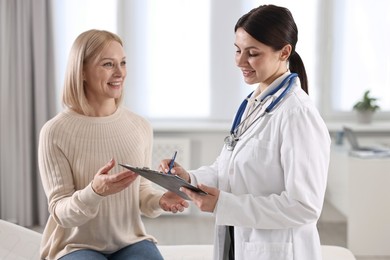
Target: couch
x=20 y=243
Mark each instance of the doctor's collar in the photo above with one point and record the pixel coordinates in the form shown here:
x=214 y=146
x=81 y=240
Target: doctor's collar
x=273 y=86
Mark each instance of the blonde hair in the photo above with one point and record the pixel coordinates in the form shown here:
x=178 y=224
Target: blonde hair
x=87 y=46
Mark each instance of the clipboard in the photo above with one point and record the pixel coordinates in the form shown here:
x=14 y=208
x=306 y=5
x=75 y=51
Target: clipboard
x=168 y=181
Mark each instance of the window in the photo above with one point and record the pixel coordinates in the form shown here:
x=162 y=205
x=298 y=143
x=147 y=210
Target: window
x=181 y=56
x=168 y=56
x=180 y=53
x=360 y=58
x=182 y=48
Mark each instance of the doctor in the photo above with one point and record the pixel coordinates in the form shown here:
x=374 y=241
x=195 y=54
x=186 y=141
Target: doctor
x=266 y=189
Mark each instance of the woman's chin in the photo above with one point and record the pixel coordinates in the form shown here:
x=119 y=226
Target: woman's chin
x=250 y=81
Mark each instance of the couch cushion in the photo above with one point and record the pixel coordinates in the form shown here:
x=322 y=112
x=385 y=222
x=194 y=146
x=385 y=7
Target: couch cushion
x=205 y=252
x=336 y=253
x=186 y=252
x=18 y=242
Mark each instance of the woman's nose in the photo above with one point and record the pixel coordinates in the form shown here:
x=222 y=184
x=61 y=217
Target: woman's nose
x=240 y=60
x=119 y=71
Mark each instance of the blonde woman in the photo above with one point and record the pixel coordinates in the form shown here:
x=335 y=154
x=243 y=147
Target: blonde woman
x=95 y=206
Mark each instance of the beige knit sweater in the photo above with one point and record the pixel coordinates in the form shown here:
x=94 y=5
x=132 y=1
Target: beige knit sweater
x=72 y=148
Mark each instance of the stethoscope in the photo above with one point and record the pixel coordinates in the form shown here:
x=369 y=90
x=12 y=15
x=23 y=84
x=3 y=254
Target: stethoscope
x=232 y=139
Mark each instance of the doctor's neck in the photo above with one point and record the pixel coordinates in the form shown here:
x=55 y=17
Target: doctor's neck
x=264 y=84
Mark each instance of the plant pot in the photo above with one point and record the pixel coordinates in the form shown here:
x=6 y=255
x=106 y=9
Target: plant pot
x=364 y=117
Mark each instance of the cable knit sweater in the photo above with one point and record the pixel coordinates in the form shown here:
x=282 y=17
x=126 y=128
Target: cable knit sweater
x=72 y=148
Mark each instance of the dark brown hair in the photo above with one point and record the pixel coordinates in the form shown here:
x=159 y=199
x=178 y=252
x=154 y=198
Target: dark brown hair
x=274 y=26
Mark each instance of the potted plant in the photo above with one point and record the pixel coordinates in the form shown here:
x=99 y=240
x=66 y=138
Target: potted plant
x=365 y=108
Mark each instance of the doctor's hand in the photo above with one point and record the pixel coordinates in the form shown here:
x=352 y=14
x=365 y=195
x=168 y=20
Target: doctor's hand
x=172 y=202
x=106 y=184
x=176 y=170
x=205 y=203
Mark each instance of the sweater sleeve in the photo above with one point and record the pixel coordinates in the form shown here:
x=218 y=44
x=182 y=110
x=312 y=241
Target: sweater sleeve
x=68 y=207
x=149 y=196
x=150 y=199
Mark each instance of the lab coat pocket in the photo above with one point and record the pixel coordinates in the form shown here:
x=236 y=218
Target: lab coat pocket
x=262 y=150
x=266 y=251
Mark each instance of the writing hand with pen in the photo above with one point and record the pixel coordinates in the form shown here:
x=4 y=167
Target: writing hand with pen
x=172 y=163
x=205 y=203
x=170 y=201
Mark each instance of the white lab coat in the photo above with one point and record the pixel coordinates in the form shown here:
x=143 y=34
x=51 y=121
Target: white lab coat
x=273 y=183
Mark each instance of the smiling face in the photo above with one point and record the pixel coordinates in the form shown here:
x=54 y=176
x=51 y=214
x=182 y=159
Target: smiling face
x=258 y=62
x=104 y=77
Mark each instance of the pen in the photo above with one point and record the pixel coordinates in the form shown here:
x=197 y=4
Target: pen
x=172 y=162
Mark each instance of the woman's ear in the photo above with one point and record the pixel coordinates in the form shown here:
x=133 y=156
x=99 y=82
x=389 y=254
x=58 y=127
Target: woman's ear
x=285 y=52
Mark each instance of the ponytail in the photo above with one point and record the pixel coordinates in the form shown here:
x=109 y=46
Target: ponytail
x=296 y=65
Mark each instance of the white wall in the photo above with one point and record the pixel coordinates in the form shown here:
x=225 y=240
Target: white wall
x=206 y=139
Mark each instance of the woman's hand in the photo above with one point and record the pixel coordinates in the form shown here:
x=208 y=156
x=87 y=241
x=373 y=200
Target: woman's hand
x=176 y=170
x=172 y=202
x=203 y=202
x=106 y=184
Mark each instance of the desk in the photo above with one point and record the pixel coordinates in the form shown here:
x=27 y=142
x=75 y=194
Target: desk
x=360 y=189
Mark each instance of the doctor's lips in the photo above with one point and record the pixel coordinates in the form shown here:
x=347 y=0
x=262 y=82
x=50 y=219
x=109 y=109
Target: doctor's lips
x=247 y=73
